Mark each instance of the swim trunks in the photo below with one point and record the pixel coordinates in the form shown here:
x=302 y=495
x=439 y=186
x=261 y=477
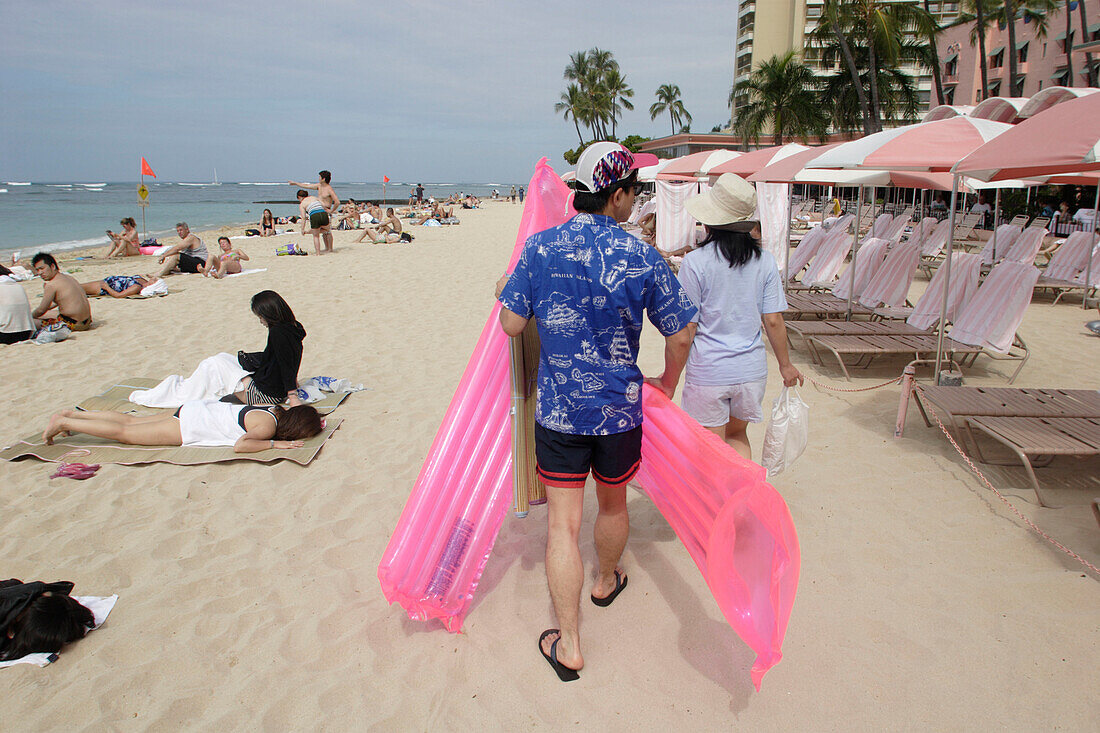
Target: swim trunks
x=188 y=263
x=318 y=219
x=75 y=325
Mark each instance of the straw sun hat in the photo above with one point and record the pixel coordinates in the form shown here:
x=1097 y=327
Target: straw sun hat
x=729 y=204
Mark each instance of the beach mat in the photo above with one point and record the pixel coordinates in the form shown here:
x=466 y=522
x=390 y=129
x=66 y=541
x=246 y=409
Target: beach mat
x=108 y=451
x=114 y=396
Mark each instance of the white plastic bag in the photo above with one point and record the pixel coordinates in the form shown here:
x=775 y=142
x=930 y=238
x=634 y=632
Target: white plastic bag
x=787 y=433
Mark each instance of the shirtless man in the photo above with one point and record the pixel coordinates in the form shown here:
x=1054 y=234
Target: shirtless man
x=63 y=299
x=388 y=230
x=329 y=200
x=312 y=211
x=188 y=256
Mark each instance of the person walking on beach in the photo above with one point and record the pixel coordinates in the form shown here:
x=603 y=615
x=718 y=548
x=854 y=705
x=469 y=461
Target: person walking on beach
x=329 y=201
x=736 y=286
x=587 y=283
x=521 y=194
x=419 y=195
x=63 y=293
x=187 y=256
x=512 y=196
x=312 y=211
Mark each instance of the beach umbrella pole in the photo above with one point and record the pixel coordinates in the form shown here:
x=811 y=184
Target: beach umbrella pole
x=787 y=241
x=1092 y=241
x=855 y=249
x=946 y=277
x=996 y=218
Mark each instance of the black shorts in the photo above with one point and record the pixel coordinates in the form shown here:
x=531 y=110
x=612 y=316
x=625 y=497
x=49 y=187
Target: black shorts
x=318 y=219
x=564 y=460
x=190 y=263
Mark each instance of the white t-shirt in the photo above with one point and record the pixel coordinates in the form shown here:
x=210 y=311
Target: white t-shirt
x=729 y=346
x=15 y=309
x=980 y=208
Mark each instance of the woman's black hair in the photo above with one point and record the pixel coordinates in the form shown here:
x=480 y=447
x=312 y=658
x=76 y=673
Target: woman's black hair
x=297 y=423
x=737 y=247
x=594 y=203
x=271 y=307
x=49 y=623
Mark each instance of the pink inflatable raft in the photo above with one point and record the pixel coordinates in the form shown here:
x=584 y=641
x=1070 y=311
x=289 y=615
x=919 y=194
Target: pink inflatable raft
x=735 y=526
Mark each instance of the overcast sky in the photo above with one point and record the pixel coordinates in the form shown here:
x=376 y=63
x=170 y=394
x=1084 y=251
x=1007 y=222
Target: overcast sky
x=418 y=90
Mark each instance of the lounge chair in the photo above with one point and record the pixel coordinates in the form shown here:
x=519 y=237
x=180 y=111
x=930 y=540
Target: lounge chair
x=805 y=251
x=1072 y=260
x=1003 y=238
x=986 y=324
x=1027 y=246
x=897 y=227
x=1020 y=220
x=922 y=230
x=869 y=259
x=1030 y=437
x=826 y=262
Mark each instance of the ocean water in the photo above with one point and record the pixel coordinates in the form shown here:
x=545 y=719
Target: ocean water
x=38 y=217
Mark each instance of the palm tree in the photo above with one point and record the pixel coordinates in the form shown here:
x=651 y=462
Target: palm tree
x=898 y=97
x=668 y=100
x=780 y=90
x=1069 y=42
x=879 y=30
x=977 y=33
x=570 y=107
x=620 y=93
x=932 y=60
x=1032 y=11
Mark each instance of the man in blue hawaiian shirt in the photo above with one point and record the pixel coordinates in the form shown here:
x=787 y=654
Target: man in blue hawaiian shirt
x=587 y=283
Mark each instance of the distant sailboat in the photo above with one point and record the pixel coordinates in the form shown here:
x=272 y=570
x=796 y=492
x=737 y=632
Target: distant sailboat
x=216 y=181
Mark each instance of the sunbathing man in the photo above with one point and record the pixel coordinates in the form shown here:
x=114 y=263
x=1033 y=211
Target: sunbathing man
x=119 y=286
x=187 y=256
x=124 y=244
x=440 y=214
x=388 y=230
x=63 y=299
x=328 y=198
x=313 y=212
x=225 y=262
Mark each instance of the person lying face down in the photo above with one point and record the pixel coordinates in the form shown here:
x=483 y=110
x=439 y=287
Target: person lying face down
x=207 y=423
x=39 y=618
x=119 y=286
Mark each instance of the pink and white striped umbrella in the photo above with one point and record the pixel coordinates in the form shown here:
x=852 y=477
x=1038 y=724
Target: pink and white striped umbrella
x=749 y=163
x=696 y=164
x=926 y=146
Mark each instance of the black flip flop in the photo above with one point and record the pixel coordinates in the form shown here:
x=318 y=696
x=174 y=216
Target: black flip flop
x=565 y=674
x=620 y=583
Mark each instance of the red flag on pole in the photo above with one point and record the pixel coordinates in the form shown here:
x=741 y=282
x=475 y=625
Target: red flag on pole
x=146 y=170
x=385 y=179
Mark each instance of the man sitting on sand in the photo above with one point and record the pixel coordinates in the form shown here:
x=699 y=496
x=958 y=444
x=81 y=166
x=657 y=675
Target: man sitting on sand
x=227 y=261
x=187 y=256
x=313 y=212
x=388 y=230
x=119 y=286
x=63 y=299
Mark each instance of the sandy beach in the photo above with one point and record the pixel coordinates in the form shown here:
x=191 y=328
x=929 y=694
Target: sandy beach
x=249 y=597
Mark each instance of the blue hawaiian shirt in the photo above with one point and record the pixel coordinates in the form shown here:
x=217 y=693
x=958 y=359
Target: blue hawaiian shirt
x=587 y=282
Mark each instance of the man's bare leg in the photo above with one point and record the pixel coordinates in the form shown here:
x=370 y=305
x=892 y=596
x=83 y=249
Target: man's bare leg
x=317 y=241
x=610 y=532
x=327 y=236
x=169 y=265
x=565 y=571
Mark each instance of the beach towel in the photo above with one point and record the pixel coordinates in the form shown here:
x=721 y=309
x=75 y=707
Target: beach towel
x=675 y=226
x=160 y=287
x=1070 y=258
x=114 y=396
x=868 y=259
x=890 y=285
x=772 y=200
x=100 y=606
x=992 y=316
x=248 y=272
x=965 y=268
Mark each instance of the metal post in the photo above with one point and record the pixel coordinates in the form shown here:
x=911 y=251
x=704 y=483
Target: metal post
x=946 y=277
x=787 y=242
x=996 y=218
x=144 y=235
x=855 y=249
x=1092 y=241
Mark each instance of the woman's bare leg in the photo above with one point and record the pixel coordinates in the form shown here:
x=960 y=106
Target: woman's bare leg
x=129 y=429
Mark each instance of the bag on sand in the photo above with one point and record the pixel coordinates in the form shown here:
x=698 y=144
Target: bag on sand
x=788 y=431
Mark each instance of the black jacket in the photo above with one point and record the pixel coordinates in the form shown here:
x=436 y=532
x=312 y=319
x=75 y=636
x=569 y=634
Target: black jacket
x=16 y=596
x=275 y=369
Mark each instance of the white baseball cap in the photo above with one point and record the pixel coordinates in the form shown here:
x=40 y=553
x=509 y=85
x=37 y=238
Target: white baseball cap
x=604 y=164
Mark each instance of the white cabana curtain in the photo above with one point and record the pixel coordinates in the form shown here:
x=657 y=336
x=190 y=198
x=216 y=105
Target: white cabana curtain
x=675 y=226
x=771 y=207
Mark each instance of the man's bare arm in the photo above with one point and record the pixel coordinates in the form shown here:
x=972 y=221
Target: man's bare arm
x=49 y=295
x=314 y=186
x=677 y=347
x=512 y=323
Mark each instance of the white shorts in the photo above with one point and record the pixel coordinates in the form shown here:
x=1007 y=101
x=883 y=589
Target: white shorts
x=713 y=406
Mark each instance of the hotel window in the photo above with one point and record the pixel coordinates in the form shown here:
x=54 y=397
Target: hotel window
x=997 y=60
x=1021 y=55
x=951 y=68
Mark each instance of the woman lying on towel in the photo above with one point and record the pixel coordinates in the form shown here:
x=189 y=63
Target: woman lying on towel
x=39 y=618
x=249 y=429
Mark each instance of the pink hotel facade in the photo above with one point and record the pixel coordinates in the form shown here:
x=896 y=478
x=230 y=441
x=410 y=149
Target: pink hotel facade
x=1042 y=60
